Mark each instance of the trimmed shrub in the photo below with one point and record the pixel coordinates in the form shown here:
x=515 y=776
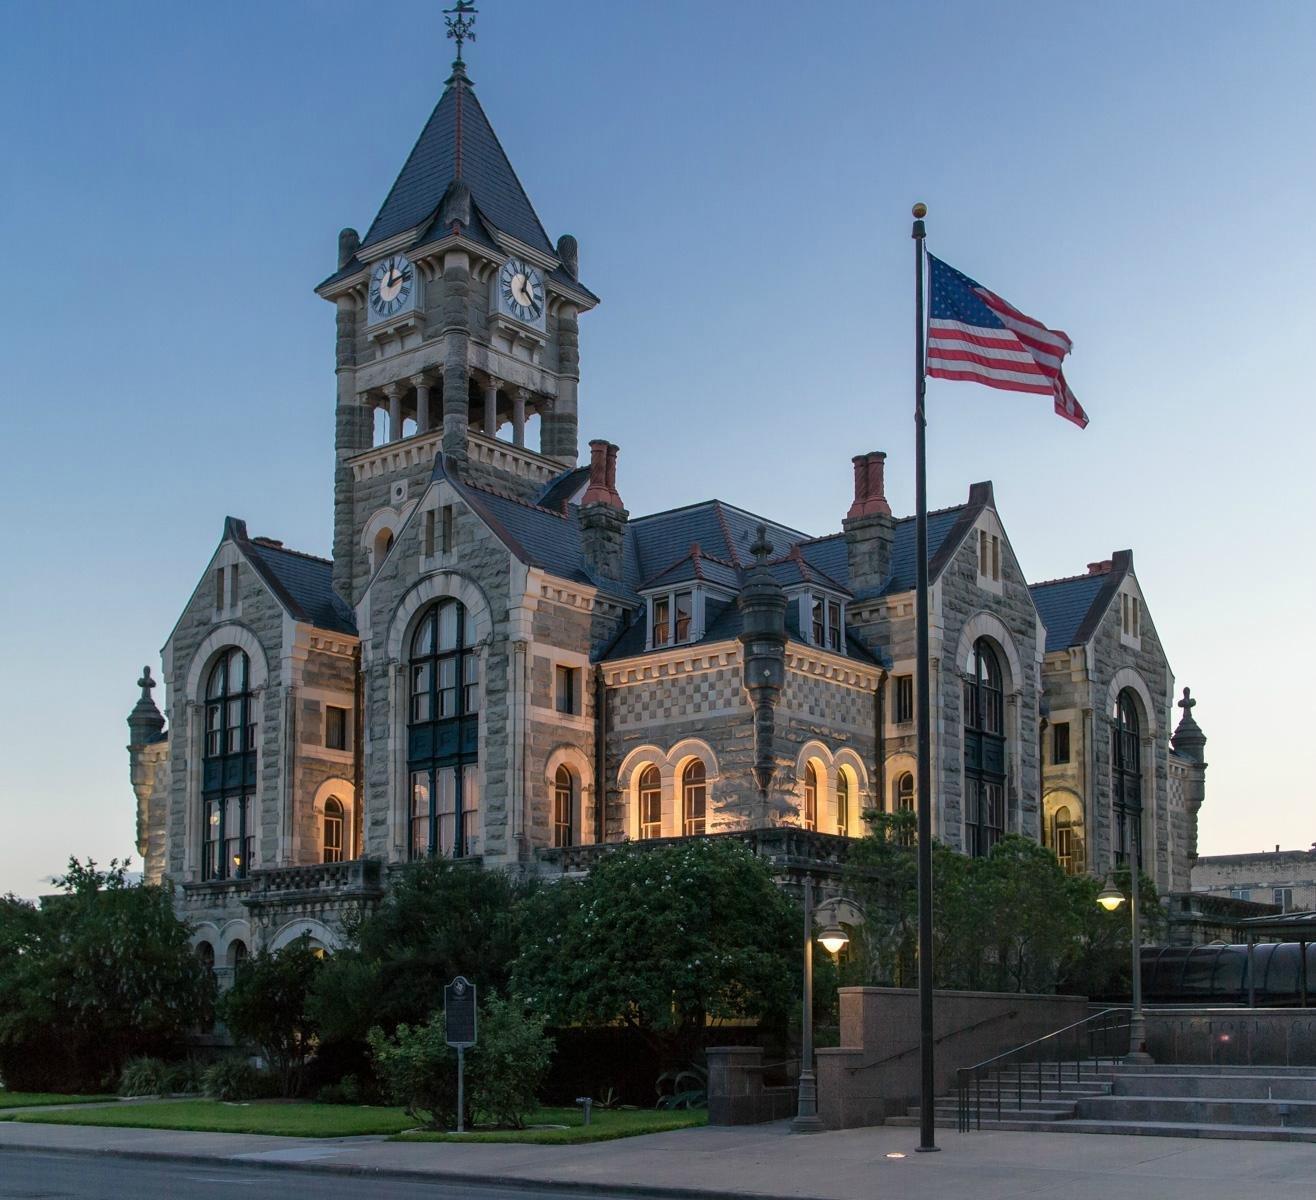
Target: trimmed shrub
x=235 y=1079
x=418 y=1070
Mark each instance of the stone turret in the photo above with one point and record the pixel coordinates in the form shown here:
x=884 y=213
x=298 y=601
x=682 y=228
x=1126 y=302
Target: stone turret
x=1188 y=739
x=763 y=606
x=148 y=750
x=145 y=723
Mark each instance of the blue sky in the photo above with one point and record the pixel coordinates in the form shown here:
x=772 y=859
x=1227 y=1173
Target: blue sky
x=739 y=176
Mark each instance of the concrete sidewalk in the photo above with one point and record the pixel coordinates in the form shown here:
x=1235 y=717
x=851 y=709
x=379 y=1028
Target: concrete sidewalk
x=763 y=1161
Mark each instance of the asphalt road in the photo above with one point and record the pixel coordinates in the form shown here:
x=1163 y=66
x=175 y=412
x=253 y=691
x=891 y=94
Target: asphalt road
x=41 y=1175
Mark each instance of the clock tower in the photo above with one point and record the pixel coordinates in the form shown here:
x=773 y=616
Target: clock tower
x=456 y=330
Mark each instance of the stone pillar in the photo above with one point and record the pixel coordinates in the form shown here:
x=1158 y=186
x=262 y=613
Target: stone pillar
x=352 y=435
x=394 y=393
x=422 y=385
x=491 y=408
x=456 y=331
x=518 y=416
x=560 y=435
x=762 y=603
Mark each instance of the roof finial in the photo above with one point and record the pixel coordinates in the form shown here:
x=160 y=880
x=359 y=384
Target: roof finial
x=460 y=20
x=146 y=683
x=761 y=547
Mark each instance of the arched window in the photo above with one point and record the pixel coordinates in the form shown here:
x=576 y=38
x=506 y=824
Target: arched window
x=843 y=803
x=694 y=798
x=205 y=954
x=651 y=803
x=442 y=734
x=564 y=804
x=1126 y=758
x=984 y=750
x=228 y=770
x=1062 y=838
x=237 y=955
x=333 y=830
x=809 y=817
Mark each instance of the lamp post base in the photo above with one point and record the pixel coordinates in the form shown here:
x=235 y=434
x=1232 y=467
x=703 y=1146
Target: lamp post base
x=806 y=1108
x=1138 y=1040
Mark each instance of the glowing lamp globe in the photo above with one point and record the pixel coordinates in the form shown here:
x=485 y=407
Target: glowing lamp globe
x=834 y=939
x=1110 y=897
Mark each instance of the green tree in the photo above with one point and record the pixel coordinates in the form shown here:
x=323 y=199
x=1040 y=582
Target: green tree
x=94 y=977
x=439 y=920
x=268 y=1006
x=1100 y=957
x=664 y=940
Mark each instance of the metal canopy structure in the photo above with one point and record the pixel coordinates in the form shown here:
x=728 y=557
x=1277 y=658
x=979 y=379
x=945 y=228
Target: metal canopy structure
x=1297 y=927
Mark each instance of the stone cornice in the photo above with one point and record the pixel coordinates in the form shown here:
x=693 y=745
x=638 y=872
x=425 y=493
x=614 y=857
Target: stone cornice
x=575 y=596
x=832 y=667
x=671 y=664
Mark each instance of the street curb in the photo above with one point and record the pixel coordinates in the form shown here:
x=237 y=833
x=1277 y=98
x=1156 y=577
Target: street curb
x=509 y=1182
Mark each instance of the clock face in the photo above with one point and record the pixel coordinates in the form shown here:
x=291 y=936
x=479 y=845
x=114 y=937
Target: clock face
x=392 y=285
x=521 y=289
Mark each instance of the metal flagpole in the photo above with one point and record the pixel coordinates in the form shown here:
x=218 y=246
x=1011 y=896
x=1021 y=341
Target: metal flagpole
x=922 y=689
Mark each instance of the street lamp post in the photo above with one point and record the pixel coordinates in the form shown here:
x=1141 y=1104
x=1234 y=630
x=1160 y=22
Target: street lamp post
x=832 y=915
x=1110 y=899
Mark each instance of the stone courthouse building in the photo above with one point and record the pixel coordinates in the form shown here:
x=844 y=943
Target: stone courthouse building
x=502 y=663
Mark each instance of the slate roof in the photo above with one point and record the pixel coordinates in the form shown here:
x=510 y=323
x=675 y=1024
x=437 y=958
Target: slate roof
x=303 y=583
x=722 y=531
x=432 y=165
x=1071 y=608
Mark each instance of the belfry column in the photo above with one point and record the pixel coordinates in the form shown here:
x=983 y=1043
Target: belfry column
x=456 y=332
x=518 y=417
x=491 y=408
x=394 y=393
x=422 y=385
x=560 y=429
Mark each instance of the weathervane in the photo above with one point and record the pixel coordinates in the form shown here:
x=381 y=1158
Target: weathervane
x=460 y=20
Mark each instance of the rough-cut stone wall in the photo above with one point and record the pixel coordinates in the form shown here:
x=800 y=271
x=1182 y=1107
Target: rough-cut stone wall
x=1261 y=874
x=479 y=563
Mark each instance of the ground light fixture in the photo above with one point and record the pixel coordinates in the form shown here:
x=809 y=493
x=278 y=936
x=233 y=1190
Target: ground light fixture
x=1110 y=897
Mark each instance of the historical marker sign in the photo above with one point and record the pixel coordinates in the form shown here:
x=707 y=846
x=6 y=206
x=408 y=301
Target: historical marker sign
x=459 y=1012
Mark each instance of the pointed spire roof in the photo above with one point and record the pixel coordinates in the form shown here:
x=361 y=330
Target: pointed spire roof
x=458 y=143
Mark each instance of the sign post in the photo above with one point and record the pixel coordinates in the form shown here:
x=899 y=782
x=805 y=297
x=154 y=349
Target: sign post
x=459 y=1032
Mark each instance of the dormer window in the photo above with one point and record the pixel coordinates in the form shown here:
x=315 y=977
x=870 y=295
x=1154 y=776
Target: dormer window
x=1129 y=616
x=989 y=556
x=672 y=618
x=823 y=619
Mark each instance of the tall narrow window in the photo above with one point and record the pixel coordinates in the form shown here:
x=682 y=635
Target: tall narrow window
x=651 y=803
x=447 y=529
x=233 y=585
x=843 y=803
x=564 y=804
x=228 y=770
x=567 y=681
x=1060 y=742
x=694 y=799
x=984 y=751
x=833 y=625
x=902 y=801
x=819 y=622
x=333 y=830
x=219 y=590
x=662 y=628
x=685 y=608
x=429 y=533
x=809 y=817
x=1126 y=757
x=335 y=727
x=442 y=734
x=904 y=699
x=1062 y=838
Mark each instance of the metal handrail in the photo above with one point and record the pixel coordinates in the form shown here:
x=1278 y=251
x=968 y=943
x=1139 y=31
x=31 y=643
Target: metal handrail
x=1082 y=1037
x=908 y=1050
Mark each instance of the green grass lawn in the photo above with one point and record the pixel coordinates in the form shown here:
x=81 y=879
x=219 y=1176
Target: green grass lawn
x=603 y=1127
x=280 y=1117
x=27 y=1099
x=292 y=1118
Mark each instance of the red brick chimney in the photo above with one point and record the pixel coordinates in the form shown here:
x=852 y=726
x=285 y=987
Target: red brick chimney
x=869 y=486
x=1100 y=568
x=598 y=492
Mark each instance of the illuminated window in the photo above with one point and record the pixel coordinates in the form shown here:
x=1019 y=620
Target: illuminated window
x=694 y=799
x=902 y=801
x=651 y=803
x=564 y=804
x=809 y=817
x=1063 y=840
x=843 y=803
x=333 y=830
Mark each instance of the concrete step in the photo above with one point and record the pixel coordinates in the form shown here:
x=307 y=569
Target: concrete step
x=1232 y=1086
x=1008 y=1087
x=1154 y=1068
x=1034 y=1112
x=1257 y=1133
x=1198 y=1110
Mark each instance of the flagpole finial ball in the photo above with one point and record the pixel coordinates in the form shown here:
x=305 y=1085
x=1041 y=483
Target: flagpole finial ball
x=920 y=210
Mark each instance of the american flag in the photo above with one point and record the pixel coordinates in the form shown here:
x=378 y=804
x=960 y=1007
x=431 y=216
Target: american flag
x=973 y=334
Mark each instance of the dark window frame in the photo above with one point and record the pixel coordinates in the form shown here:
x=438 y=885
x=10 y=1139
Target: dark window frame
x=566 y=700
x=564 y=807
x=1060 y=748
x=1126 y=775
x=904 y=699
x=228 y=769
x=984 y=751
x=442 y=731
